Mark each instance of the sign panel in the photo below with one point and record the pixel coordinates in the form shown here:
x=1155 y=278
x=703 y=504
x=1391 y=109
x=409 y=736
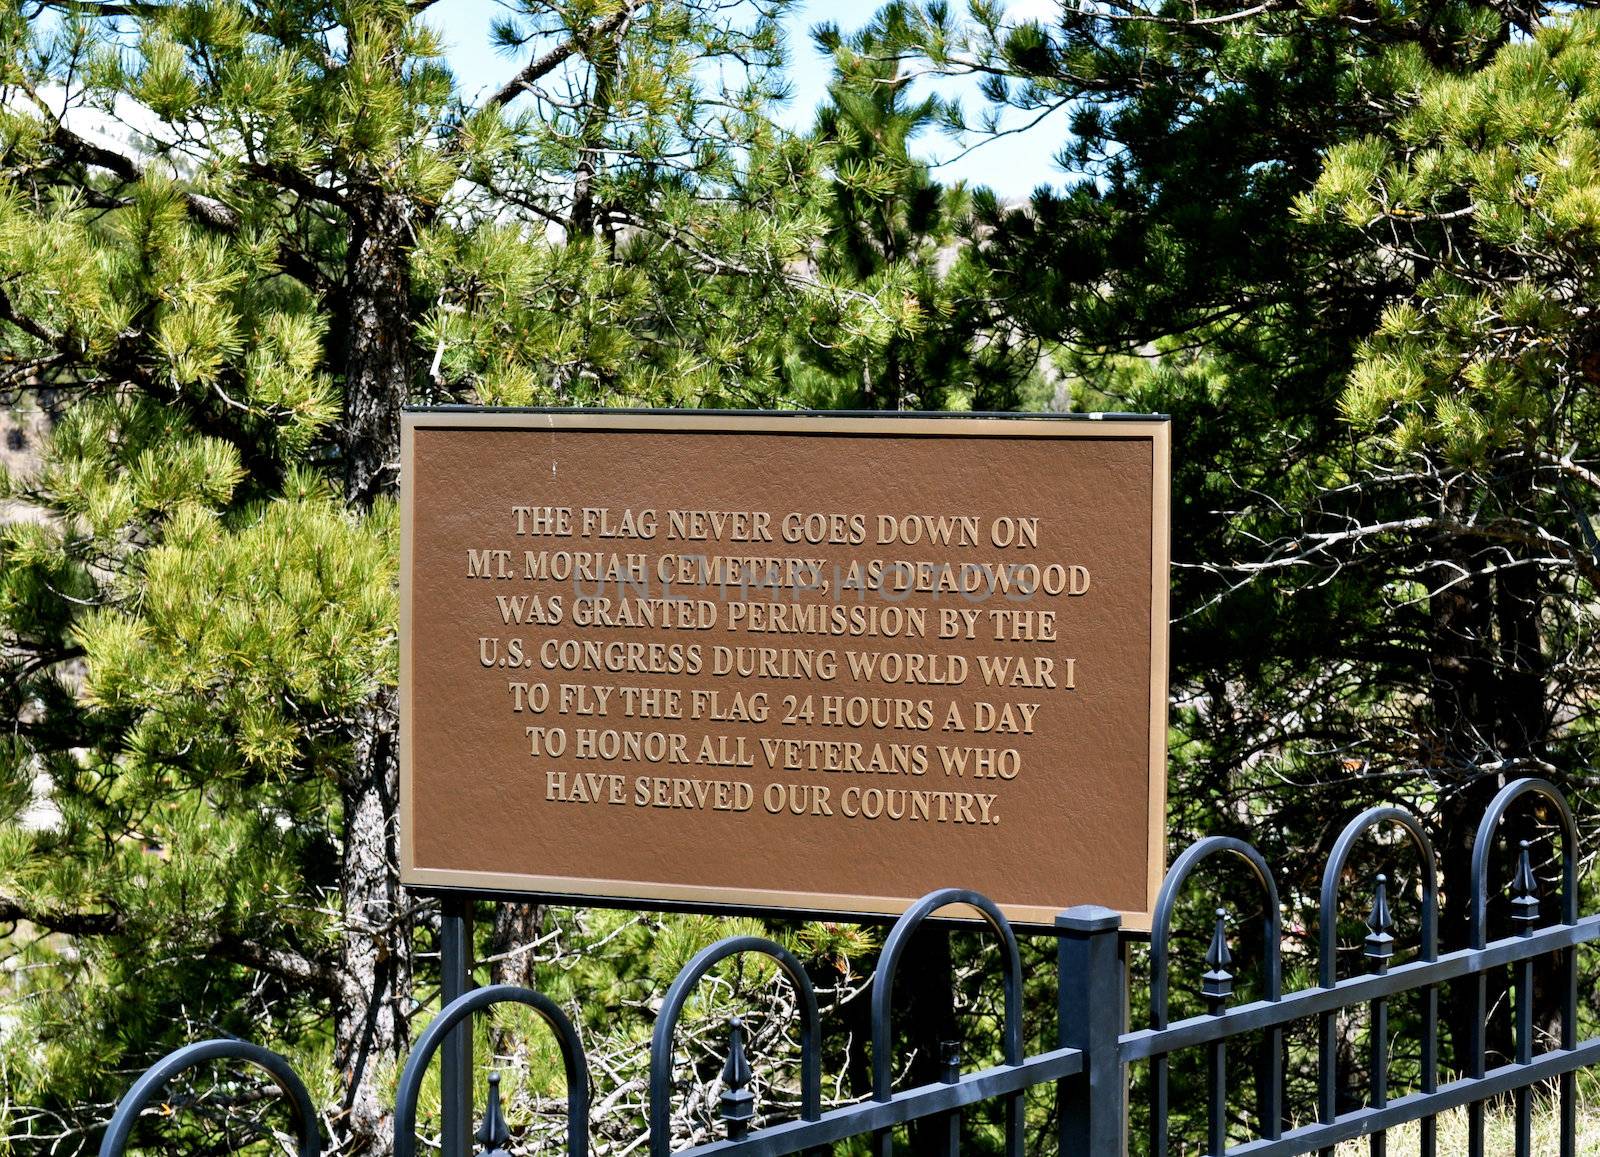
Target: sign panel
x=785 y=661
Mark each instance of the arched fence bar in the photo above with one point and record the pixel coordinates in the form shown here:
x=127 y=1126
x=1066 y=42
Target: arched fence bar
x=153 y=1083
x=1090 y=1067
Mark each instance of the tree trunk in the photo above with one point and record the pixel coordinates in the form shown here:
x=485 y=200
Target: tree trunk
x=1456 y=743
x=370 y=1027
x=379 y=350
x=603 y=58
x=1489 y=706
x=374 y=966
x=515 y=926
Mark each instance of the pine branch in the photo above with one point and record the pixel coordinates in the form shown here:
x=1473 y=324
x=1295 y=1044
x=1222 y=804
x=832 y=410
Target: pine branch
x=151 y=9
x=283 y=963
x=542 y=66
x=29 y=325
x=61 y=920
x=138 y=9
x=295 y=182
x=208 y=210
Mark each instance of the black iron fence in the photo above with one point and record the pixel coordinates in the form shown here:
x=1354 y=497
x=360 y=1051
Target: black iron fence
x=1090 y=1068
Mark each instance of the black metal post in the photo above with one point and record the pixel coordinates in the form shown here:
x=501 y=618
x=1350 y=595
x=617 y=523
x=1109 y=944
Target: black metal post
x=1569 y=1041
x=931 y=1008
x=1476 y=1065
x=1091 y=1015
x=455 y=1055
x=950 y=1062
x=1328 y=1071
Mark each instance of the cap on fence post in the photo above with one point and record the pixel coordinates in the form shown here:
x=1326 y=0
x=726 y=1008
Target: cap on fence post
x=1092 y=995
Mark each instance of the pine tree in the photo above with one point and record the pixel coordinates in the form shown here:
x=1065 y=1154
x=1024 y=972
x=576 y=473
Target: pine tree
x=234 y=239
x=1474 y=401
x=893 y=235
x=1381 y=589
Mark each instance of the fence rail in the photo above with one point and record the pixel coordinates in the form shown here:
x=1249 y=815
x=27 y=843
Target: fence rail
x=1089 y=1069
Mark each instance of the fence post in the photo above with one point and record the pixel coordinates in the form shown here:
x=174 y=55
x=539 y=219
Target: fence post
x=1093 y=1105
x=455 y=1058
x=931 y=1016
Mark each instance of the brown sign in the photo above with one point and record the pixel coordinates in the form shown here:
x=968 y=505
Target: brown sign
x=814 y=663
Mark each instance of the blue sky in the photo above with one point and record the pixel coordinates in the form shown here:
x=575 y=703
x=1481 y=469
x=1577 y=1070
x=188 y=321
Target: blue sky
x=1012 y=166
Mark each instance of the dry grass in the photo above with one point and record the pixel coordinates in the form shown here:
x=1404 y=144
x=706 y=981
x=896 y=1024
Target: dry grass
x=1499 y=1138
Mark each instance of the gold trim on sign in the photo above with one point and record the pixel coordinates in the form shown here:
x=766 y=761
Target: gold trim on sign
x=408 y=433
x=820 y=903
x=1130 y=428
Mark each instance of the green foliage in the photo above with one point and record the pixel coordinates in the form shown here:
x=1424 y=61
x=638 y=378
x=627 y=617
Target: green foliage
x=222 y=645
x=280 y=618
x=1492 y=185
x=908 y=319
x=662 y=273
x=1349 y=248
x=230 y=235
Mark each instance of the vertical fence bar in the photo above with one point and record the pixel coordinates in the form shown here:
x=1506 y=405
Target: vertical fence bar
x=931 y=1008
x=1160 y=1098
x=950 y=1063
x=1569 y=1041
x=455 y=1055
x=1475 y=1060
x=1327 y=1071
x=1217 y=987
x=1568 y=986
x=1378 y=950
x=1092 y=1105
x=1430 y=1015
x=1524 y=1030
x=1269 y=1080
x=1525 y=916
x=1429 y=1126
x=1217 y=1098
x=1379 y=1141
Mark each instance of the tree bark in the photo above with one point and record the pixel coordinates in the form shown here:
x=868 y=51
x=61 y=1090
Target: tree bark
x=370 y=1026
x=603 y=49
x=374 y=972
x=378 y=355
x=515 y=926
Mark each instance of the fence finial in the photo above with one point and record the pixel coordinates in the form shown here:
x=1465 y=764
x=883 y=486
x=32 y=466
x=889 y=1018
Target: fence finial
x=1525 y=894
x=738 y=1102
x=493 y=1133
x=1380 y=927
x=1217 y=983
x=950 y=1061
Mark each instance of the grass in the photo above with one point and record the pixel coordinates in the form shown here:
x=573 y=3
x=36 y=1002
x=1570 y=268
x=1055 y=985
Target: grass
x=1499 y=1136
